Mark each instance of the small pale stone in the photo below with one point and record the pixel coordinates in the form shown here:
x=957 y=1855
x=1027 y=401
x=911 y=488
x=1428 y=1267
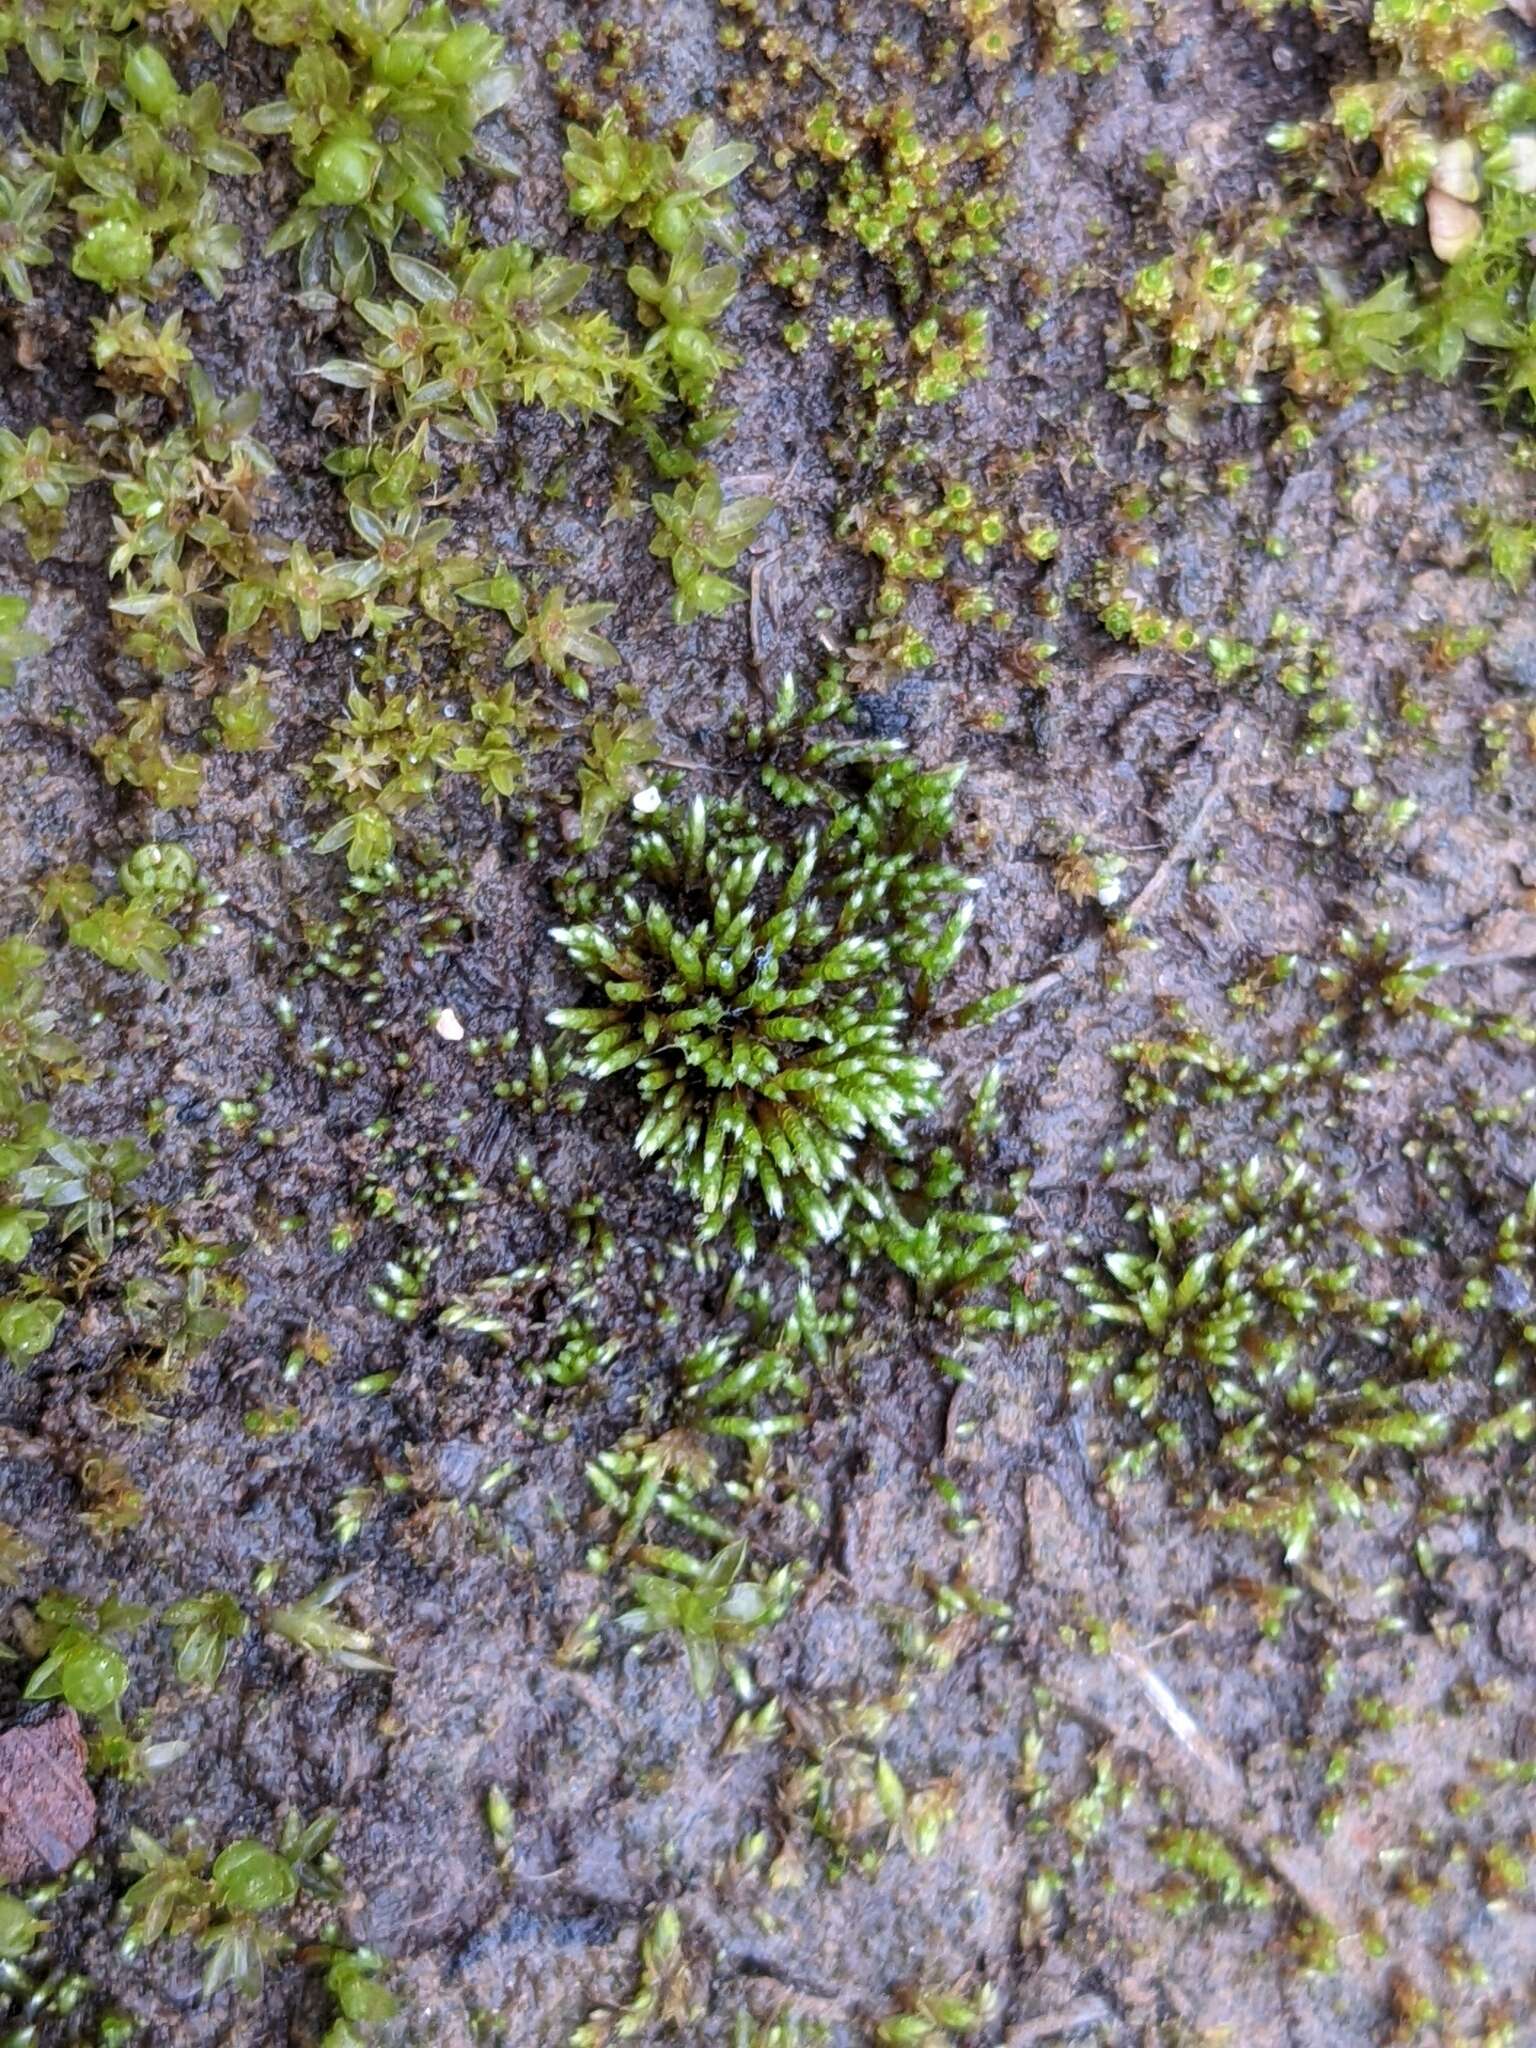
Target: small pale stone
x=1455 y=170
x=1453 y=225
x=1515 y=165
x=647 y=801
x=447 y=1025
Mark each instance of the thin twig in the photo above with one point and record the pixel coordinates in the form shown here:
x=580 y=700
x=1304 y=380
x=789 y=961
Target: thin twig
x=1075 y=2018
x=1193 y=832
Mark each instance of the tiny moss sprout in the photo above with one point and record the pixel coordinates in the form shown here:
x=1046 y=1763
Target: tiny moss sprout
x=49 y=1181
x=135 y=168
x=486 y=328
x=937 y=2016
x=19 y=1929
x=26 y=217
x=310 y=1626
x=613 y=175
x=206 y=1627
x=232 y=1904
x=17 y=642
x=132 y=928
x=670 y=1990
x=699 y=535
x=38 y=476
x=712 y=1607
x=82 y=1664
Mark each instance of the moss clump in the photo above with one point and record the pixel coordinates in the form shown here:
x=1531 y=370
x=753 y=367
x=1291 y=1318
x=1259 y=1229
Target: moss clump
x=755 y=968
x=380 y=109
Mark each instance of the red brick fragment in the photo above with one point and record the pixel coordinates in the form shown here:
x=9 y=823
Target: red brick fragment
x=47 y=1810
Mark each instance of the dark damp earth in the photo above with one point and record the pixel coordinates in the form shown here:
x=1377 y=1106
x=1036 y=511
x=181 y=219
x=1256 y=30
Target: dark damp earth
x=1059 y=1737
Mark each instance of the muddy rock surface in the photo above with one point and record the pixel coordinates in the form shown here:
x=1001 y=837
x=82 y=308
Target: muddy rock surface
x=1195 y=1773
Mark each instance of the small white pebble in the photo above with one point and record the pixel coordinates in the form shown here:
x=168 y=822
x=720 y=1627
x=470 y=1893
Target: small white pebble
x=1455 y=170
x=648 y=800
x=447 y=1025
x=1453 y=225
x=1516 y=163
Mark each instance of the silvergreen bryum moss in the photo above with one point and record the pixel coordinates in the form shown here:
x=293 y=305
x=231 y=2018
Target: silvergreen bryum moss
x=756 y=962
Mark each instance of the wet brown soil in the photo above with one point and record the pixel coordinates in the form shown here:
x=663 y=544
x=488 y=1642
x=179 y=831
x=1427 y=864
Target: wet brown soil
x=1126 y=1634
